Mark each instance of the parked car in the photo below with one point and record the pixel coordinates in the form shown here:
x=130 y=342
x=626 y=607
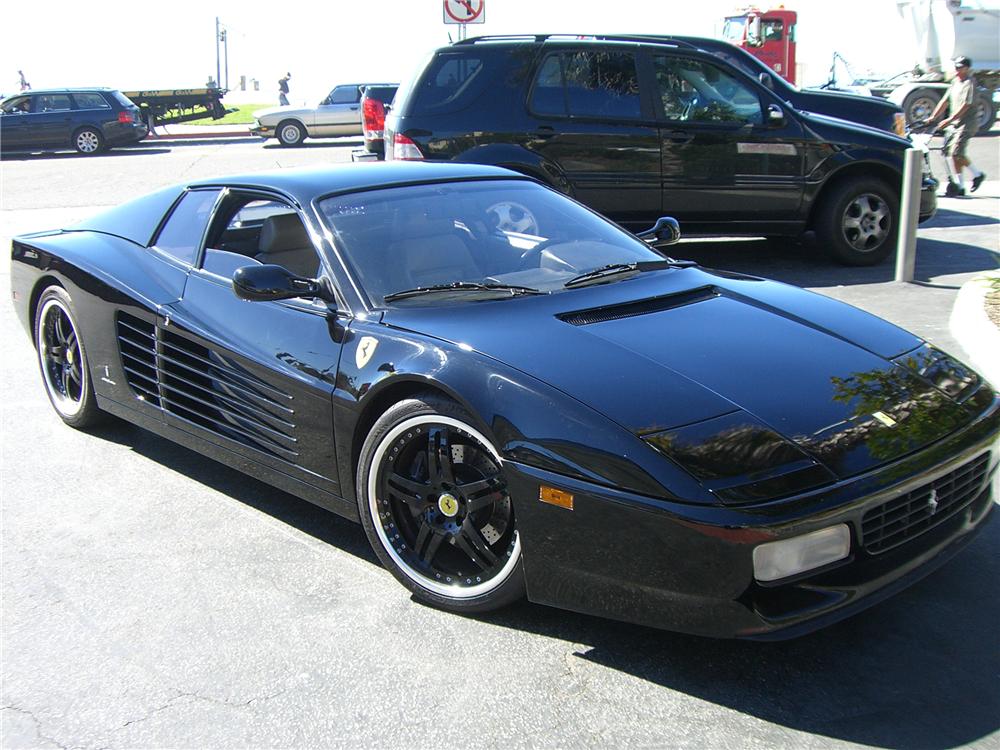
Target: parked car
x=864 y=110
x=638 y=126
x=338 y=114
x=375 y=102
x=88 y=120
x=556 y=411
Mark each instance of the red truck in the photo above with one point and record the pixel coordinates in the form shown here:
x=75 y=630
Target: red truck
x=767 y=35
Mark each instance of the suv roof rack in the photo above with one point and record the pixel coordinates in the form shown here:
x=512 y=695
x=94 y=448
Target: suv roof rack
x=687 y=42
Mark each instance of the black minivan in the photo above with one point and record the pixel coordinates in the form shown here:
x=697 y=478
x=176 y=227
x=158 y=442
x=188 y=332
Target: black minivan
x=637 y=127
x=88 y=120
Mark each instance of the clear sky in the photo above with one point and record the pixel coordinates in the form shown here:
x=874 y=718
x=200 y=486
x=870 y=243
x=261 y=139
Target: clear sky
x=145 y=45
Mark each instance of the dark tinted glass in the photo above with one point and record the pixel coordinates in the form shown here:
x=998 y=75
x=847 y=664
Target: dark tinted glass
x=52 y=103
x=90 y=100
x=445 y=81
x=122 y=99
x=547 y=95
x=692 y=90
x=345 y=95
x=602 y=83
x=181 y=235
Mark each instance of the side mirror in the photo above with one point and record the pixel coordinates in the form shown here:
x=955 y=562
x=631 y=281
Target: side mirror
x=666 y=231
x=271 y=282
x=775 y=116
x=766 y=80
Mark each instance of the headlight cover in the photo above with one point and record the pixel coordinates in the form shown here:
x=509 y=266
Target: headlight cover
x=741 y=460
x=945 y=373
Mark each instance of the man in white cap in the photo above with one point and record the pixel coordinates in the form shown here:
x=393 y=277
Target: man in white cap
x=961 y=124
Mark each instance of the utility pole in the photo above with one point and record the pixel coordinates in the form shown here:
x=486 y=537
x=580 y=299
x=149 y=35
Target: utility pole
x=218 y=73
x=225 y=51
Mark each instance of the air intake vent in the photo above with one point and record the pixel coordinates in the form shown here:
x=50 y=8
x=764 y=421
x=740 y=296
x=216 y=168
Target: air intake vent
x=920 y=510
x=642 y=307
x=137 y=345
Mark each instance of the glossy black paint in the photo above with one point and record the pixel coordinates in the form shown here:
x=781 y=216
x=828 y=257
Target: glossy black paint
x=634 y=396
x=715 y=178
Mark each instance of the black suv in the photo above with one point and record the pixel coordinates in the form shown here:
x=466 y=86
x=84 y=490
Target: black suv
x=637 y=127
x=89 y=120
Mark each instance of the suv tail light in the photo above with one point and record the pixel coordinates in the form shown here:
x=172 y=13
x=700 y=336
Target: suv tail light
x=125 y=118
x=404 y=149
x=373 y=118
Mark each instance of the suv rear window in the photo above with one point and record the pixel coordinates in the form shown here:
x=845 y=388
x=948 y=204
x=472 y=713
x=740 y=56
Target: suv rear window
x=122 y=99
x=448 y=80
x=90 y=100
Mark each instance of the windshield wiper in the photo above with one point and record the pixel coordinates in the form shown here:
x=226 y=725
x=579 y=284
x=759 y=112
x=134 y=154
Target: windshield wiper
x=462 y=286
x=610 y=271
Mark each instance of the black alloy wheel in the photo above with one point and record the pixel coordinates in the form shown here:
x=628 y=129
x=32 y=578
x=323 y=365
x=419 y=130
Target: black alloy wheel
x=435 y=506
x=62 y=359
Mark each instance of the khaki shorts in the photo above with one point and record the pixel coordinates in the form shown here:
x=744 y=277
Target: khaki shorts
x=957 y=140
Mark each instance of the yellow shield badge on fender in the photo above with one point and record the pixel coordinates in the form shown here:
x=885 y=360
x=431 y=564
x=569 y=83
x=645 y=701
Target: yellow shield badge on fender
x=365 y=351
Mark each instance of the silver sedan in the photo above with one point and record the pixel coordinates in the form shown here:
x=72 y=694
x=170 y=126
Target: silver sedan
x=338 y=114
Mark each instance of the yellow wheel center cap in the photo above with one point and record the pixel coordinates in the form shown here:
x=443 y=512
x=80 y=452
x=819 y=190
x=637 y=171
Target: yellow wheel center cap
x=69 y=356
x=448 y=504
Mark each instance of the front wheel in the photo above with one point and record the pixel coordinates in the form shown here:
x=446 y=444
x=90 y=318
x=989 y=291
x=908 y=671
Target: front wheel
x=858 y=221
x=62 y=359
x=290 y=133
x=435 y=506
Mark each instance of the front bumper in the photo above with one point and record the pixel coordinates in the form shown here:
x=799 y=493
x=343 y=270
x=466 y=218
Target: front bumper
x=689 y=568
x=264 y=131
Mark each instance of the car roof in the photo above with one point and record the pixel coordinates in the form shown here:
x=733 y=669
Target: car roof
x=309 y=183
x=75 y=90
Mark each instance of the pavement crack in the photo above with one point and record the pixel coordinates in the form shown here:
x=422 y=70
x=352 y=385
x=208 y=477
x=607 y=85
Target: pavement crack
x=38 y=725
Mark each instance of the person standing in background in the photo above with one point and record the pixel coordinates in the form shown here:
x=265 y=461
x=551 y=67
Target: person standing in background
x=24 y=81
x=961 y=124
x=283 y=89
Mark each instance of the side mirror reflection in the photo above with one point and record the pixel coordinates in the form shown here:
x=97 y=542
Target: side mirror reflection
x=271 y=282
x=666 y=231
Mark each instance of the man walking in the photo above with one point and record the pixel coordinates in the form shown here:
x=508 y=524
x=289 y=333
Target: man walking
x=283 y=89
x=961 y=124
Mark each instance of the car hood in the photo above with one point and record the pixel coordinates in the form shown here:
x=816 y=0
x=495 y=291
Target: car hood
x=278 y=112
x=866 y=110
x=838 y=131
x=679 y=347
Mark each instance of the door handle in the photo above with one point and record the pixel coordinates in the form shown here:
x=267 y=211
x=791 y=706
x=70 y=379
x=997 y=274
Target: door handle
x=354 y=109
x=545 y=131
x=678 y=136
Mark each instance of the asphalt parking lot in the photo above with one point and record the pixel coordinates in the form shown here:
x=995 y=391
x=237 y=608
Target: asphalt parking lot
x=154 y=598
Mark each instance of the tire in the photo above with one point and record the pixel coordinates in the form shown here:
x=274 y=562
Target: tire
x=919 y=104
x=434 y=504
x=290 y=133
x=985 y=111
x=62 y=359
x=858 y=221
x=88 y=141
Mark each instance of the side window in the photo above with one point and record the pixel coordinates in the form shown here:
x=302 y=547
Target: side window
x=772 y=31
x=696 y=91
x=90 y=100
x=345 y=95
x=547 y=97
x=17 y=105
x=52 y=103
x=181 y=236
x=602 y=84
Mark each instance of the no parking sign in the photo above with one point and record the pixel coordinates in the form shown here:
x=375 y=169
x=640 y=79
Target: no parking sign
x=464 y=11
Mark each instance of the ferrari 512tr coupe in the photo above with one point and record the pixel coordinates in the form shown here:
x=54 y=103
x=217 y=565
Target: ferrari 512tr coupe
x=516 y=397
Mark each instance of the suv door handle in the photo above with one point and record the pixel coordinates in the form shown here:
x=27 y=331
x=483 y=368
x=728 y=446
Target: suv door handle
x=678 y=136
x=545 y=131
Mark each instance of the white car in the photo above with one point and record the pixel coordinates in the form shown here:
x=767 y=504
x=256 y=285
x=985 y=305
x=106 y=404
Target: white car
x=338 y=114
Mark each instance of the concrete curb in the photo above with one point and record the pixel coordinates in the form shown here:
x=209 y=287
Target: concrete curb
x=204 y=134
x=974 y=330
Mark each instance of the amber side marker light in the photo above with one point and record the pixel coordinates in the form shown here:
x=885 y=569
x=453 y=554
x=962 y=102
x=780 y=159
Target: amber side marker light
x=552 y=496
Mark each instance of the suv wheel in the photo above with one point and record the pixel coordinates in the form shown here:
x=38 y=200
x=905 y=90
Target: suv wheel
x=858 y=221
x=88 y=141
x=290 y=133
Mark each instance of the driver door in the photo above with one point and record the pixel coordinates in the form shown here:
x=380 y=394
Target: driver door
x=722 y=162
x=340 y=112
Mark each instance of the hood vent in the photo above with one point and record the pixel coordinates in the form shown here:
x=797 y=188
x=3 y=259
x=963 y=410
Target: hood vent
x=640 y=307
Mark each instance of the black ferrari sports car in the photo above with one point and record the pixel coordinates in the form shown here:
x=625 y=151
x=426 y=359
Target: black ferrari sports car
x=515 y=396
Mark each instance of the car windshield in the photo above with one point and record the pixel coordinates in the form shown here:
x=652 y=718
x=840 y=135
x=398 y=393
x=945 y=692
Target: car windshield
x=462 y=241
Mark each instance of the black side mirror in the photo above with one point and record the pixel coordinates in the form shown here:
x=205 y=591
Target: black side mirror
x=271 y=282
x=666 y=231
x=766 y=80
x=775 y=116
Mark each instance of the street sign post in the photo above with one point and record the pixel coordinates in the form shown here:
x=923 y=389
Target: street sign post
x=463 y=12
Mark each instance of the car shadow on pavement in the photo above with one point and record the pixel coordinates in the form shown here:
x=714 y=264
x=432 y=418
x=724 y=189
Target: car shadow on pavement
x=115 y=152
x=321 y=524
x=336 y=143
x=806 y=266
x=916 y=671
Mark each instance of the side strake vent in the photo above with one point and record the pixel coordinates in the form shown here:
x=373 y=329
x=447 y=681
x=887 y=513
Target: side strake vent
x=642 y=307
x=199 y=386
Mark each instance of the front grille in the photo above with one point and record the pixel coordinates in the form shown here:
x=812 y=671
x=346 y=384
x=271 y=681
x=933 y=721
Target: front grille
x=920 y=510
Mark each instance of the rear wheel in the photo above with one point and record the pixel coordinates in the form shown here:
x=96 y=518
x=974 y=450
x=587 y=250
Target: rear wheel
x=88 y=141
x=858 y=221
x=918 y=105
x=985 y=111
x=62 y=359
x=434 y=503
x=290 y=133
